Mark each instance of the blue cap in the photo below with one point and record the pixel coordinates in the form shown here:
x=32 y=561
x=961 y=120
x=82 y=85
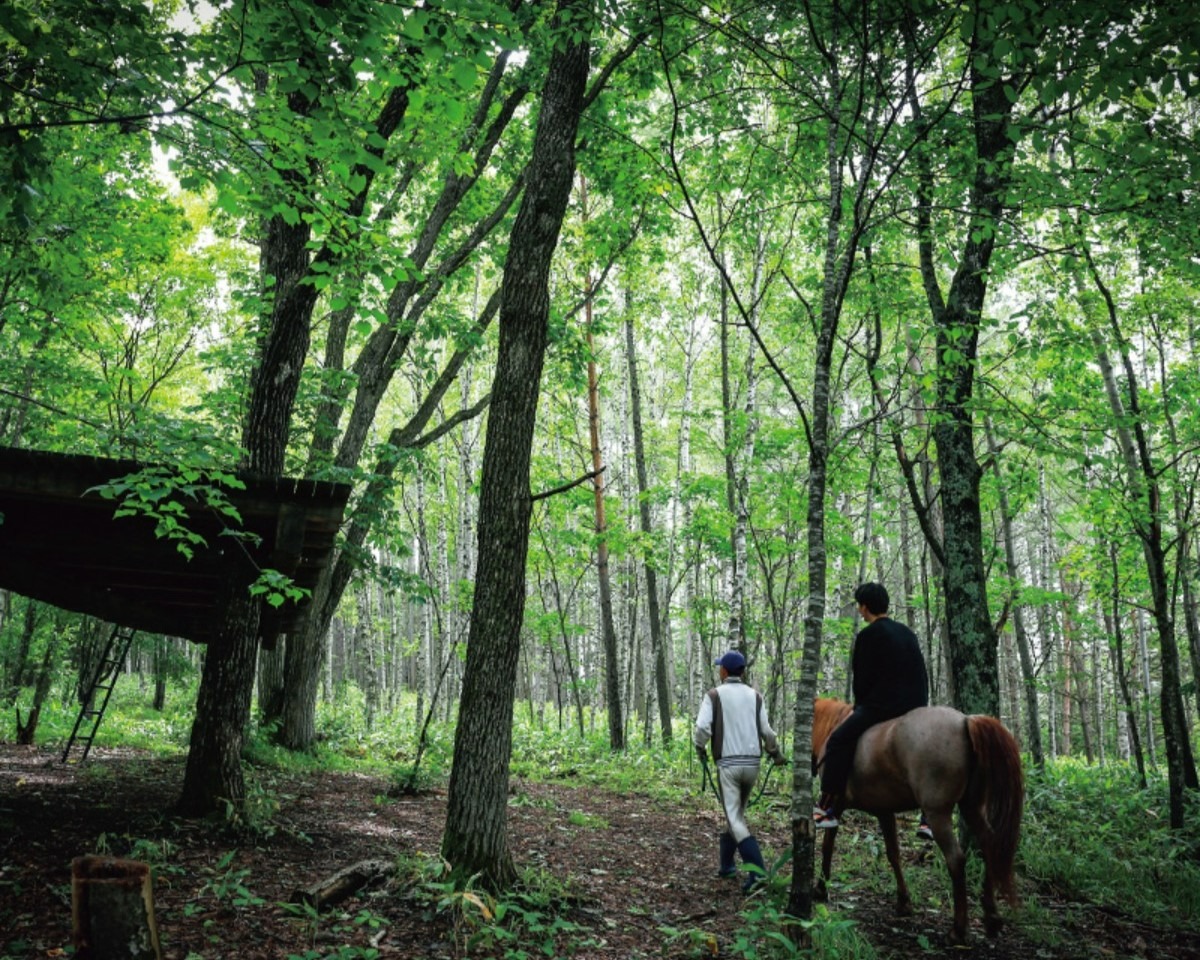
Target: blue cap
x=732 y=661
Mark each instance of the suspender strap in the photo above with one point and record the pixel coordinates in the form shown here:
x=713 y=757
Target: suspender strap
x=718 y=724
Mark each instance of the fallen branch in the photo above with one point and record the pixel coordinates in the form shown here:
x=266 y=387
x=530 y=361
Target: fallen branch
x=343 y=884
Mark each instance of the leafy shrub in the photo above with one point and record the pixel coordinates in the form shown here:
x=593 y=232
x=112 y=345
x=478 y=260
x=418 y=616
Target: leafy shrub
x=529 y=920
x=658 y=771
x=765 y=933
x=1092 y=832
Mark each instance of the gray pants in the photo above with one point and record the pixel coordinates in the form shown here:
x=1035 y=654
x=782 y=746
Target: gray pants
x=735 y=784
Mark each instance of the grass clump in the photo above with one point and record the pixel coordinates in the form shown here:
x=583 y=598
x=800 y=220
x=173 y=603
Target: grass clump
x=530 y=919
x=765 y=932
x=1095 y=835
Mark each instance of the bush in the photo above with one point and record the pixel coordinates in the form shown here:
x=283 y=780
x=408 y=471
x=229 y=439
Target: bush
x=1092 y=832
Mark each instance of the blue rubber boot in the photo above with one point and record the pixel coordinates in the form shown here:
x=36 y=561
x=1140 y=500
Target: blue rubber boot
x=728 y=848
x=752 y=856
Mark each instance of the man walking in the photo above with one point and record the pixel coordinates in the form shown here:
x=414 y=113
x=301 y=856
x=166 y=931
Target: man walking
x=889 y=680
x=733 y=717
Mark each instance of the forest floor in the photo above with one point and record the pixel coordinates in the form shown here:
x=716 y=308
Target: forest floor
x=639 y=873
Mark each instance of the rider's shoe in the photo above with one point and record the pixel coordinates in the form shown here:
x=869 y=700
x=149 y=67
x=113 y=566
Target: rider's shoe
x=924 y=832
x=824 y=819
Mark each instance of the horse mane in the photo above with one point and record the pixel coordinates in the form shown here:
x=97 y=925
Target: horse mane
x=827 y=714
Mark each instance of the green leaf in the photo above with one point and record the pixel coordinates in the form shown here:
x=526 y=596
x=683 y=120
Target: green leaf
x=464 y=73
x=456 y=111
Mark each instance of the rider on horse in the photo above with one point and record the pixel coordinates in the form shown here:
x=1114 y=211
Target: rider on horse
x=889 y=680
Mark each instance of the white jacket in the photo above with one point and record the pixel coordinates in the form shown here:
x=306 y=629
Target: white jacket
x=742 y=721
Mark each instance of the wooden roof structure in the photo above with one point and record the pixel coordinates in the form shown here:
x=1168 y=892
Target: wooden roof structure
x=61 y=544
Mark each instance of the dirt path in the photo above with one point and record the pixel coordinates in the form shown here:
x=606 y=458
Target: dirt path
x=634 y=866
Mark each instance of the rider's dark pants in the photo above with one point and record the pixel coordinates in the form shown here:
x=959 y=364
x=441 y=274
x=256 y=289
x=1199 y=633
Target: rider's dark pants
x=839 y=749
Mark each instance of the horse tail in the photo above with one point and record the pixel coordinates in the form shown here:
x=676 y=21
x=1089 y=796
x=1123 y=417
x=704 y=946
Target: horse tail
x=998 y=792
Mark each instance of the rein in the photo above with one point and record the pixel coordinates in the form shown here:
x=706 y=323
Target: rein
x=706 y=780
x=763 y=785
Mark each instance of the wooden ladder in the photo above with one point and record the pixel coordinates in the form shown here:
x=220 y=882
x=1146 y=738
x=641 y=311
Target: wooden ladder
x=103 y=680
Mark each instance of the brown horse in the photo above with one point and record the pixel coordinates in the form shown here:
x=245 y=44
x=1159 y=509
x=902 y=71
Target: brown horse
x=932 y=759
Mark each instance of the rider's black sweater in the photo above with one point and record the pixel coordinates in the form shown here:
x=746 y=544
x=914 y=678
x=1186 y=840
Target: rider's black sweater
x=889 y=669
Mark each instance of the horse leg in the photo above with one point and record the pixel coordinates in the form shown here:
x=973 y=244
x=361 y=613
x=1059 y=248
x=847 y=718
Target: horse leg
x=992 y=921
x=956 y=863
x=821 y=890
x=887 y=826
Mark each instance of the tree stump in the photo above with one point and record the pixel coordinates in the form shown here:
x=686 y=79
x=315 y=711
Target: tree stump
x=25 y=731
x=112 y=910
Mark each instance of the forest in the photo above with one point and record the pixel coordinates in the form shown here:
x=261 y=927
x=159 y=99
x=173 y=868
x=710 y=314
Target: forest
x=636 y=331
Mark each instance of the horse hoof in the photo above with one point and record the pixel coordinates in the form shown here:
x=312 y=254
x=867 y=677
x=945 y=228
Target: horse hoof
x=904 y=910
x=992 y=926
x=820 y=894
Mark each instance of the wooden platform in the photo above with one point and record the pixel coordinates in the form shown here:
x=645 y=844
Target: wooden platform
x=62 y=545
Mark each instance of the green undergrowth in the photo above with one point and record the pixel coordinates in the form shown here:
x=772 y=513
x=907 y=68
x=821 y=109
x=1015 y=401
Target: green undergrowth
x=563 y=756
x=764 y=930
x=535 y=917
x=1090 y=838
x=129 y=720
x=1091 y=834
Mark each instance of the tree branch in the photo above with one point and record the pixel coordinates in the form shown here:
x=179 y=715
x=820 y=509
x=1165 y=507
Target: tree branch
x=566 y=486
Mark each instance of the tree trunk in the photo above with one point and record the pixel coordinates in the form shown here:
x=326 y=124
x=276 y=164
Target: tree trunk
x=738 y=435
x=1142 y=477
x=1191 y=615
x=835 y=279
x=365 y=658
x=214 y=770
x=476 y=838
x=1131 y=718
x=214 y=765
x=1033 y=723
x=303 y=660
x=373 y=371
x=972 y=639
x=1143 y=667
x=608 y=632
x=270 y=680
x=681 y=514
x=841 y=251
x=562 y=616
x=1075 y=691
x=1041 y=569
x=1182 y=508
x=17 y=664
x=45 y=676
x=162 y=651
x=1066 y=670
x=305 y=649
x=654 y=615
